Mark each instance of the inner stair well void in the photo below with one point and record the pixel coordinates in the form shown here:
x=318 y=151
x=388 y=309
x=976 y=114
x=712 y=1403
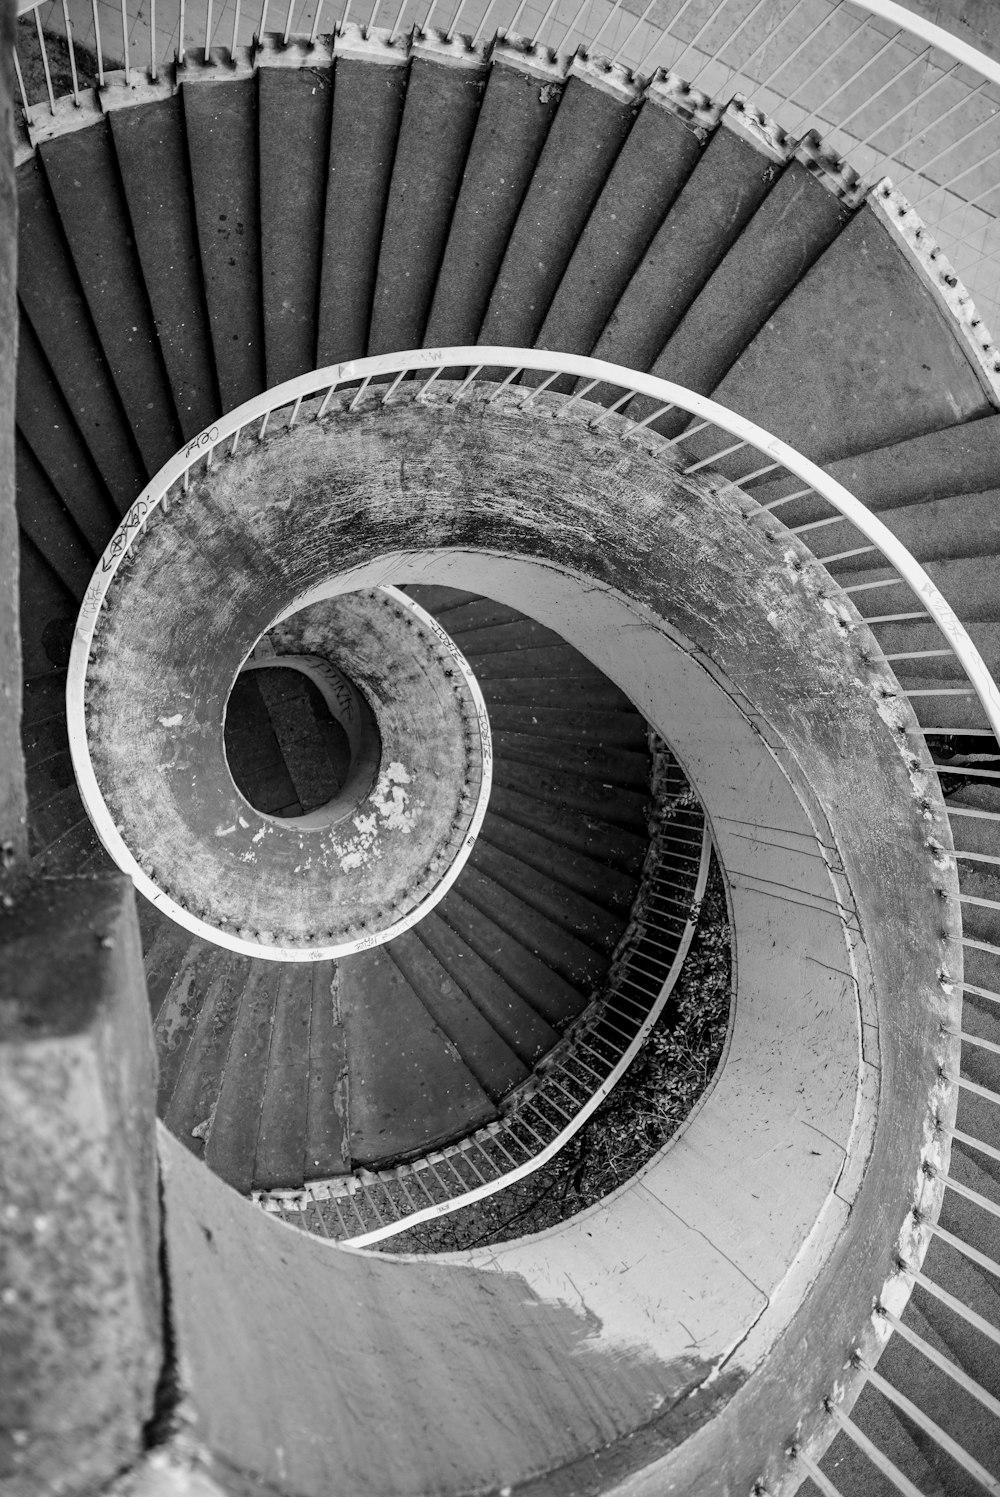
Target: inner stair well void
x=712 y=1327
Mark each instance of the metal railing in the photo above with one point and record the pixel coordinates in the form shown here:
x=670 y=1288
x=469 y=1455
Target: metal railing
x=891 y=93
x=784 y=483
x=539 y=1119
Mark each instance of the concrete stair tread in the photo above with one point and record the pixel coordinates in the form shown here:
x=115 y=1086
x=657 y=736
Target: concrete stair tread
x=409 y=1089
x=571 y=829
x=553 y=692
x=48 y=779
x=439 y=119
x=280 y=1155
x=578 y=961
x=588 y=131
x=510 y=131
x=657 y=158
x=546 y=893
x=52 y=301
x=618 y=730
x=162 y=219
x=624 y=808
x=591 y=877
x=611 y=766
x=484 y=1049
x=46 y=423
x=222 y=133
x=556 y=998
x=293 y=104
x=364 y=128
x=729 y=183
x=524 y=1029
x=82 y=173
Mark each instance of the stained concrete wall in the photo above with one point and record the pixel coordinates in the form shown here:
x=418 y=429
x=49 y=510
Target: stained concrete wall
x=315 y=1369
x=81 y=1338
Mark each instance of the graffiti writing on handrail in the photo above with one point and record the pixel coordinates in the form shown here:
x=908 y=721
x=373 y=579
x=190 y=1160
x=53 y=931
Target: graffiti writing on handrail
x=202 y=440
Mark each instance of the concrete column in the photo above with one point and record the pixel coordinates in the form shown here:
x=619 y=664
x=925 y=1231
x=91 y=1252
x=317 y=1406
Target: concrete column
x=13 y=830
x=81 y=1317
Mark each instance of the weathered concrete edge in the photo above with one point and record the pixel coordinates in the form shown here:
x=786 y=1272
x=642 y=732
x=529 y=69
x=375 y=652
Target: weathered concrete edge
x=83 y=1317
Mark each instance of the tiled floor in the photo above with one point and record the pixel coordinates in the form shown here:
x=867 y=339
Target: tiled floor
x=879 y=97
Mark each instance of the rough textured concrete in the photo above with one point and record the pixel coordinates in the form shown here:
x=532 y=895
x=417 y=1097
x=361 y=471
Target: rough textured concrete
x=346 y=871
x=729 y=628
x=13 y=829
x=81 y=1340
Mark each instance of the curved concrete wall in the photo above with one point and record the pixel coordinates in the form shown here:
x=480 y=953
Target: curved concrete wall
x=732 y=1276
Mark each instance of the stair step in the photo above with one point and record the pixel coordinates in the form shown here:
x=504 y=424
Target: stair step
x=940 y=708
x=553 y=692
x=520 y=634
x=59 y=814
x=613 y=767
x=439 y=600
x=82 y=173
x=969 y=583
x=938 y=464
x=293 y=105
x=484 y=1050
x=590 y=877
x=47 y=426
x=368 y=103
x=728 y=184
x=852 y=362
x=545 y=892
x=48 y=779
x=64 y=857
x=326 y=1142
x=232 y=1142
x=619 y=807
x=280 y=1158
x=557 y=999
x=47 y=610
x=439 y=118
x=578 y=725
x=577 y=960
x=524 y=1030
x=195 y=1092
x=515 y=117
x=656 y=160
x=589 y=129
x=955 y=1410
x=924 y=634
x=50 y=295
x=409 y=1090
x=161 y=214
x=221 y=127
x=797 y=220
x=43 y=697
x=42 y=516
x=523 y=664
x=570 y=830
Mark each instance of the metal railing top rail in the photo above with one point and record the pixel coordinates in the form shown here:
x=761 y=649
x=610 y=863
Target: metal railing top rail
x=892 y=92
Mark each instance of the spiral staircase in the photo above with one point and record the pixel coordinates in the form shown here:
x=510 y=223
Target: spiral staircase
x=188 y=243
